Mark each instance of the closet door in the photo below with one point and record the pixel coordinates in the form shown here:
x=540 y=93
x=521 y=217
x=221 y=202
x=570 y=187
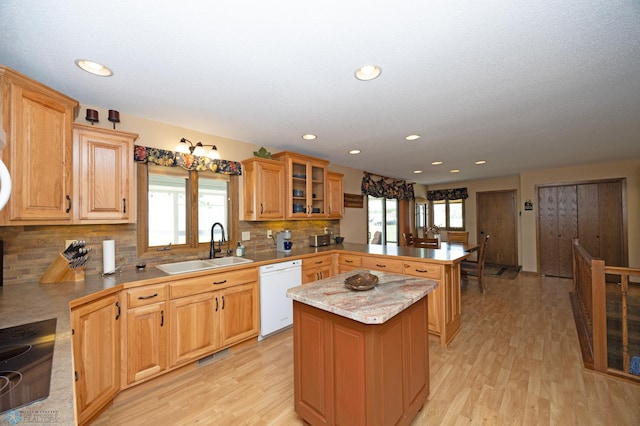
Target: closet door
x=557 y=227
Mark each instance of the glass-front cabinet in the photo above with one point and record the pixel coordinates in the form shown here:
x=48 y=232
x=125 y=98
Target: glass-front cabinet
x=306 y=189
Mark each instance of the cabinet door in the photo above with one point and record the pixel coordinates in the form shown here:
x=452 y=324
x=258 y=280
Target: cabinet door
x=238 y=313
x=192 y=327
x=146 y=341
x=264 y=189
x=96 y=355
x=103 y=162
x=39 y=152
x=335 y=196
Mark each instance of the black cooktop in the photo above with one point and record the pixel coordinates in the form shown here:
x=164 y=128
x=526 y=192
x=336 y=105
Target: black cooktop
x=26 y=355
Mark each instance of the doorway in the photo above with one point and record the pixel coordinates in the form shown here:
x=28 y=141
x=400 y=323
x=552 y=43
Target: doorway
x=382 y=225
x=496 y=216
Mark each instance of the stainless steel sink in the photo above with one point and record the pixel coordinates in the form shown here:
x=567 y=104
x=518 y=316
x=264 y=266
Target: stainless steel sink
x=201 y=265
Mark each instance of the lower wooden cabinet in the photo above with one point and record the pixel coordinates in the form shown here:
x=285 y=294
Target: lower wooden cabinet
x=382 y=264
x=316 y=268
x=192 y=325
x=350 y=373
x=348 y=262
x=96 y=355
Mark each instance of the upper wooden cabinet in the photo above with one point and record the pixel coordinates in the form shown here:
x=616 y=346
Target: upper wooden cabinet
x=264 y=186
x=37 y=122
x=335 y=195
x=306 y=188
x=103 y=162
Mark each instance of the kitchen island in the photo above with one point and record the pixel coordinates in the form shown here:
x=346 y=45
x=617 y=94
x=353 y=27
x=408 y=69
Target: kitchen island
x=361 y=357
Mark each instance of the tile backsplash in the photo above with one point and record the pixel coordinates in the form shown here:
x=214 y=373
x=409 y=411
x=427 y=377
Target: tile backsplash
x=29 y=250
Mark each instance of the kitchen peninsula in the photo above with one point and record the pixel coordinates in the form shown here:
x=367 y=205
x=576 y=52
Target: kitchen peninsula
x=30 y=301
x=361 y=357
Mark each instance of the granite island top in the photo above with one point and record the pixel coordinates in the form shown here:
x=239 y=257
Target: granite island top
x=31 y=301
x=393 y=294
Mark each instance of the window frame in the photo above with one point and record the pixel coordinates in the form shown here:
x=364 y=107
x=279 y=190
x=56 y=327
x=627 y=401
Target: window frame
x=448 y=226
x=191 y=246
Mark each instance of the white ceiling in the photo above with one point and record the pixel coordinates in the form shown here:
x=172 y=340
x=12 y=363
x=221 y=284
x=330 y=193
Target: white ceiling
x=520 y=84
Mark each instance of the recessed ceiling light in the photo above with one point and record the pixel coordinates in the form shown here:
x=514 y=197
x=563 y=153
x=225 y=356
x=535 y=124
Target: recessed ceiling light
x=354 y=151
x=481 y=162
x=412 y=137
x=455 y=171
x=94 y=68
x=417 y=171
x=309 y=137
x=436 y=163
x=368 y=72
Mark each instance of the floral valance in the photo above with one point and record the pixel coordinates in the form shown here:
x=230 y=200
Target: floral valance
x=383 y=187
x=448 y=194
x=162 y=157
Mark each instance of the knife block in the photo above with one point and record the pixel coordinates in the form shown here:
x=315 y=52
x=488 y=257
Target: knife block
x=59 y=271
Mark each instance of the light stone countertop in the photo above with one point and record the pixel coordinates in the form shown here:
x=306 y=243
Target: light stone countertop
x=393 y=294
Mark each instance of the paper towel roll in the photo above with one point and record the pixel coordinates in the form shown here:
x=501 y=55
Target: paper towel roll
x=108 y=256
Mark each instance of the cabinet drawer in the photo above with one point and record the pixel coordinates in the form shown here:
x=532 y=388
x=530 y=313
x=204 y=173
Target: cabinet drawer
x=384 y=265
x=211 y=282
x=350 y=260
x=420 y=269
x=146 y=295
x=317 y=261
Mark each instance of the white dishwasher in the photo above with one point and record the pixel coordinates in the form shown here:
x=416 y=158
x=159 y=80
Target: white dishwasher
x=276 y=309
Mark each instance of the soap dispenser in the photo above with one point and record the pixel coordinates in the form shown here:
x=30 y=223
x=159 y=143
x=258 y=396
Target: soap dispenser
x=240 y=250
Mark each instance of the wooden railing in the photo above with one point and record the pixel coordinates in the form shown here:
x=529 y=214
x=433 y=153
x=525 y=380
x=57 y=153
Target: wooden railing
x=589 y=301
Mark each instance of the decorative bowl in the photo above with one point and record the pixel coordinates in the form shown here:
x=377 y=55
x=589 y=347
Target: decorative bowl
x=298 y=208
x=339 y=240
x=298 y=193
x=361 y=282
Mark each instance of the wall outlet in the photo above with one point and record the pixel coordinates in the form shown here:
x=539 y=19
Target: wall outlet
x=269 y=234
x=246 y=235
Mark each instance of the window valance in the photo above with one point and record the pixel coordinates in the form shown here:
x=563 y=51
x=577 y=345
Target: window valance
x=384 y=187
x=162 y=157
x=448 y=194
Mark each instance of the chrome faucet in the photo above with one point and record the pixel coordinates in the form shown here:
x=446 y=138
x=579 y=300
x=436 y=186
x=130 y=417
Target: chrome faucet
x=212 y=248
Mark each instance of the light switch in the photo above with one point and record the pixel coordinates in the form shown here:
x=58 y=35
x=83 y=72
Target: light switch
x=246 y=235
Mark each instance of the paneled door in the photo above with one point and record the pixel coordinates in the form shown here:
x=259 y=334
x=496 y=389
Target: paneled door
x=593 y=212
x=557 y=227
x=496 y=216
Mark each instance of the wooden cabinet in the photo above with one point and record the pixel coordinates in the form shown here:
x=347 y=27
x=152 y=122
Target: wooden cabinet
x=212 y=312
x=147 y=333
x=306 y=188
x=37 y=122
x=384 y=264
x=335 y=195
x=96 y=355
x=348 y=262
x=103 y=162
x=350 y=373
x=316 y=268
x=264 y=189
x=436 y=297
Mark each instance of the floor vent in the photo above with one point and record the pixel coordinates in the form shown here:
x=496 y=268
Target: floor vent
x=209 y=358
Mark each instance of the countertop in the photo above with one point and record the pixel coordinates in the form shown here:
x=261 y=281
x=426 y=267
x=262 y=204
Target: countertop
x=29 y=302
x=393 y=294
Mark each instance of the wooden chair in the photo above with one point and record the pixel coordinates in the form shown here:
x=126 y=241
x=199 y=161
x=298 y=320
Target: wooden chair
x=469 y=268
x=426 y=242
x=458 y=237
x=408 y=238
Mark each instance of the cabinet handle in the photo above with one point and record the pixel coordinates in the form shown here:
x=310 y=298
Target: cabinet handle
x=261 y=208
x=68 y=204
x=216 y=304
x=348 y=261
x=381 y=266
x=75 y=373
x=118 y=314
x=219 y=282
x=319 y=262
x=124 y=205
x=151 y=296
x=162 y=318
x=222 y=302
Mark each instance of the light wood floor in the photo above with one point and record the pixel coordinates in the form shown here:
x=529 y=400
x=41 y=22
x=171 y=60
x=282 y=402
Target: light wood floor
x=515 y=362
